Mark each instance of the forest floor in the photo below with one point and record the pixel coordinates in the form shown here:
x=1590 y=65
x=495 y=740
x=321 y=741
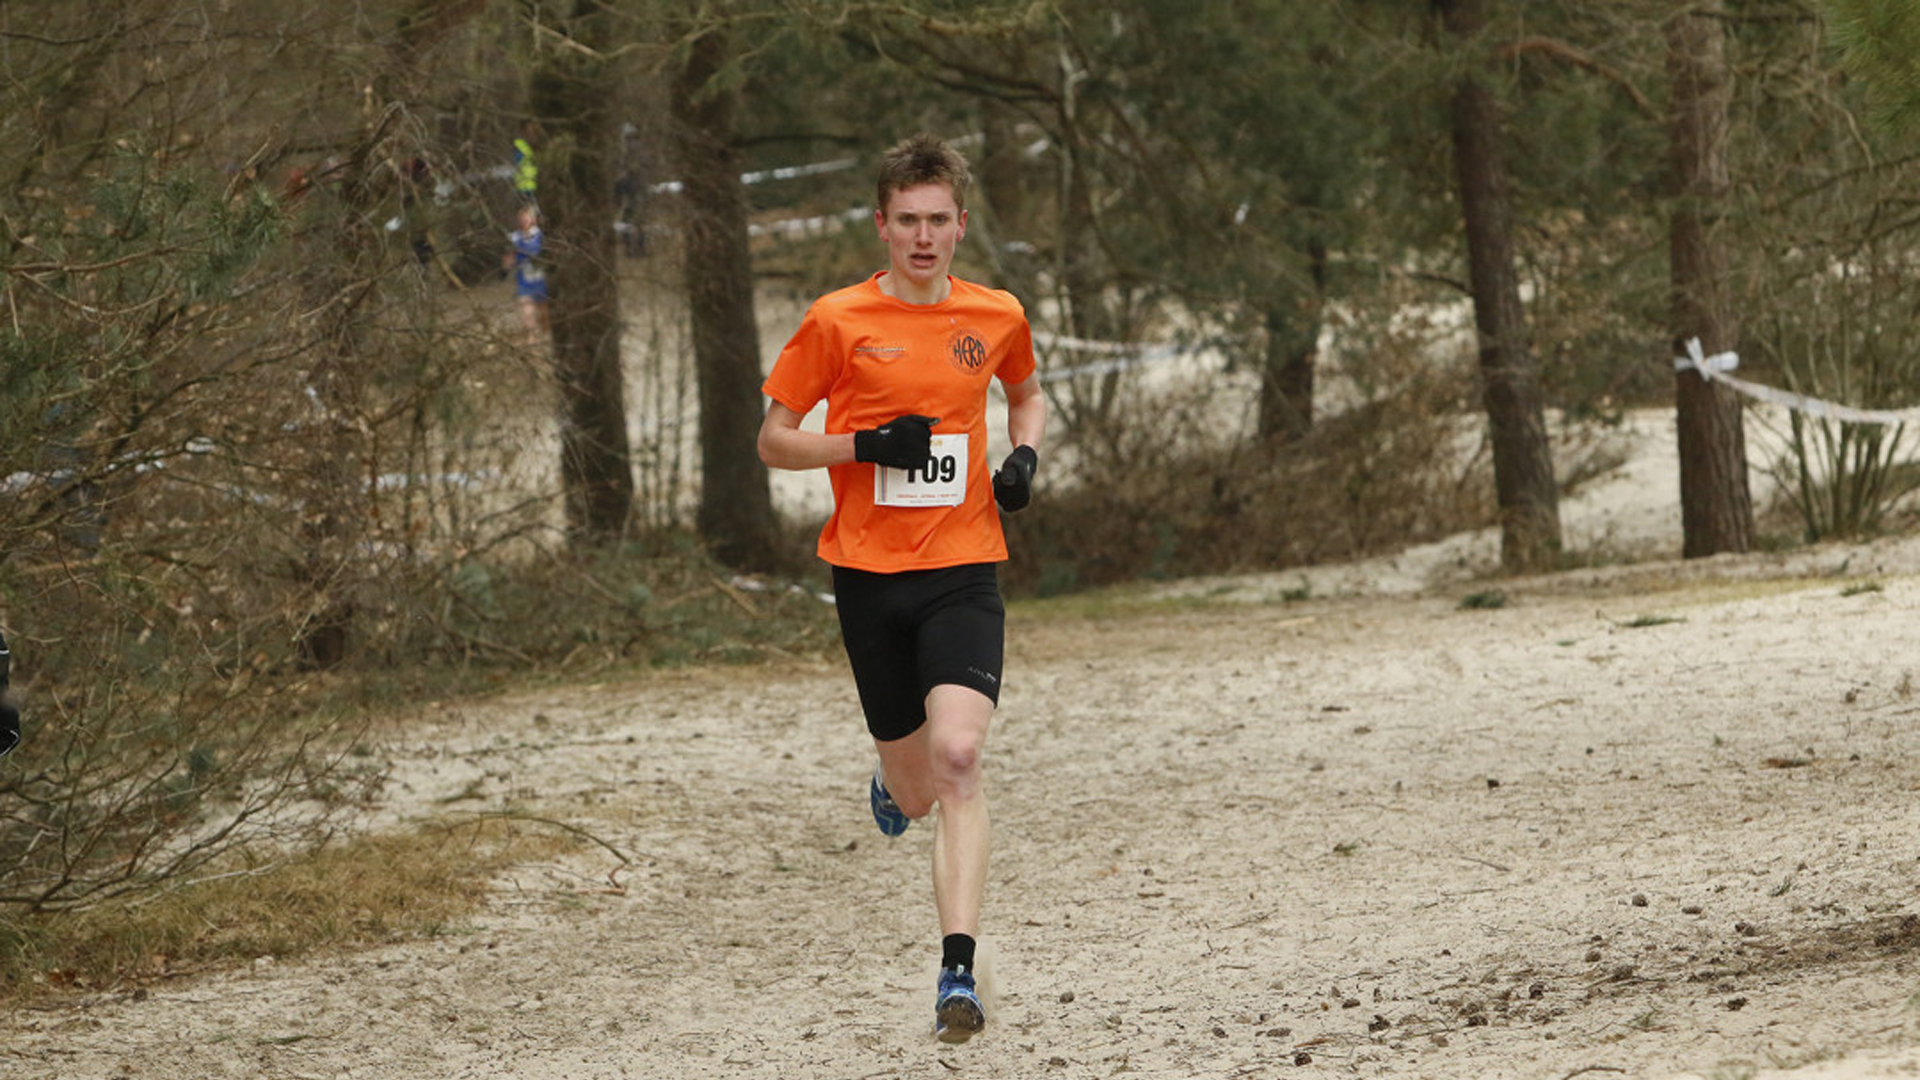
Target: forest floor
x=1649 y=819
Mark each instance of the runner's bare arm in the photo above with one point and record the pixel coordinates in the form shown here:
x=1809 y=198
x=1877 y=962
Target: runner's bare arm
x=784 y=446
x=1026 y=412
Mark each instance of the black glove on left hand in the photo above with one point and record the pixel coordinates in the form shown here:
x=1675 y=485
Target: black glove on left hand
x=1013 y=484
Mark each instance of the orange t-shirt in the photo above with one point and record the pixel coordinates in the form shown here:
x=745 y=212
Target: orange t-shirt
x=873 y=358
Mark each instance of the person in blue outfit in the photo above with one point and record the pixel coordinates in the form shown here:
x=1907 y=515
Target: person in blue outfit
x=529 y=276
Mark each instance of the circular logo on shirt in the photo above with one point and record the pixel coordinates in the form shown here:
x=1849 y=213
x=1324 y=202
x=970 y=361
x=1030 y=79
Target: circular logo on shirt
x=968 y=350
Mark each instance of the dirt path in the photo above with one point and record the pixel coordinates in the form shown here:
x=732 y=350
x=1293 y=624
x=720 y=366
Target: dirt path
x=1371 y=835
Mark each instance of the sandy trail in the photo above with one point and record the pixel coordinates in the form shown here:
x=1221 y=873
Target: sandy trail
x=1651 y=821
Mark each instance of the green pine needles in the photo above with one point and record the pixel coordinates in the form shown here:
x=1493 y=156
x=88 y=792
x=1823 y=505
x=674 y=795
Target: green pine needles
x=1879 y=43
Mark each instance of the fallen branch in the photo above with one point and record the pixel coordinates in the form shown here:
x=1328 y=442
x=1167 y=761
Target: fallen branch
x=564 y=826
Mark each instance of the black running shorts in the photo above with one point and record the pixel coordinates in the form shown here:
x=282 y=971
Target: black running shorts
x=909 y=632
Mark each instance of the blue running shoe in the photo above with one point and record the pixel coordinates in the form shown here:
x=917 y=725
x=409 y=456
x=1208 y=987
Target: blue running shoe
x=957 y=1015
x=886 y=813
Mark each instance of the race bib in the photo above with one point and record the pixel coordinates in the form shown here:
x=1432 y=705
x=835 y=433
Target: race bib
x=940 y=481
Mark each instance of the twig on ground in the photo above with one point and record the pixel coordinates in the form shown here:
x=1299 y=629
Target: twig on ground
x=733 y=594
x=564 y=826
x=1484 y=862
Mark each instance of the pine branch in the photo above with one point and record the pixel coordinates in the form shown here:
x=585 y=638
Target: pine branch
x=1568 y=54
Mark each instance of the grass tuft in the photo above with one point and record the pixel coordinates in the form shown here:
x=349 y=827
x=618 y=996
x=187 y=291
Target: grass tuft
x=364 y=891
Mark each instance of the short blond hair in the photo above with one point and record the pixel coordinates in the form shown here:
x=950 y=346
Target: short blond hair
x=923 y=159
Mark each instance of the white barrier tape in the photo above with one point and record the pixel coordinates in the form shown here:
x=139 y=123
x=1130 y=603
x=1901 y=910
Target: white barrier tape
x=15 y=483
x=1126 y=355
x=1074 y=344
x=794 y=172
x=1086 y=371
x=444 y=188
x=810 y=225
x=1715 y=368
x=761 y=176
x=1695 y=360
x=394 y=481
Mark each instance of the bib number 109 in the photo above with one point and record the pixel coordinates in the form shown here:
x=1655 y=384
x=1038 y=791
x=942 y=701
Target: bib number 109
x=938 y=469
x=940 y=481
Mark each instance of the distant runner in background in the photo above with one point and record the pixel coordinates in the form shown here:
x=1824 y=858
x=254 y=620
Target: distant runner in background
x=529 y=276
x=526 y=171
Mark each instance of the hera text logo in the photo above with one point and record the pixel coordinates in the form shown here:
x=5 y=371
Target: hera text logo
x=969 y=351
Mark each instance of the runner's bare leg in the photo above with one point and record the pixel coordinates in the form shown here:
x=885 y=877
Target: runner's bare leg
x=940 y=764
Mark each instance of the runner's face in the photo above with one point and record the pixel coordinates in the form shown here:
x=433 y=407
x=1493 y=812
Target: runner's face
x=921 y=225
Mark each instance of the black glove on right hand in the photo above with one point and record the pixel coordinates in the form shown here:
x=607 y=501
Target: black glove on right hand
x=1013 y=484
x=901 y=442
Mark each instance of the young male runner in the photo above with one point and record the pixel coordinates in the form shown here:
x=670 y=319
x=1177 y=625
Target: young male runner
x=904 y=360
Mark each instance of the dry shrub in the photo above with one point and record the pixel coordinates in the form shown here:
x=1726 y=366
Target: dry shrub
x=152 y=746
x=1844 y=334
x=322 y=482
x=1171 y=491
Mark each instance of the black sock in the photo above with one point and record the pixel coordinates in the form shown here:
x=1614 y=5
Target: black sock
x=956 y=952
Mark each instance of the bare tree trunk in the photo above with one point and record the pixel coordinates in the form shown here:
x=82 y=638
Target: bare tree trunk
x=736 y=517
x=1005 y=181
x=1716 y=505
x=1293 y=323
x=1522 y=457
x=333 y=489
x=570 y=94
x=334 y=503
x=1003 y=173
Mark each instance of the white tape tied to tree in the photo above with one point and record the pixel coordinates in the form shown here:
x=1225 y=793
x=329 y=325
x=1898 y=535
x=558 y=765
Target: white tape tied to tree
x=1715 y=368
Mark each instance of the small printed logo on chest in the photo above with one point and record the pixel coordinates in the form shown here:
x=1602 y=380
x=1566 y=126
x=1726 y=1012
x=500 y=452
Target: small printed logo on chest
x=968 y=350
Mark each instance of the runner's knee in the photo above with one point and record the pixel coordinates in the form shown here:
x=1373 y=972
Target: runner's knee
x=959 y=757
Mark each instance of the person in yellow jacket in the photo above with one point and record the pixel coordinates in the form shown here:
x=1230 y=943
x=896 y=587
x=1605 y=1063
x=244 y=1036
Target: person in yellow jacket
x=526 y=172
